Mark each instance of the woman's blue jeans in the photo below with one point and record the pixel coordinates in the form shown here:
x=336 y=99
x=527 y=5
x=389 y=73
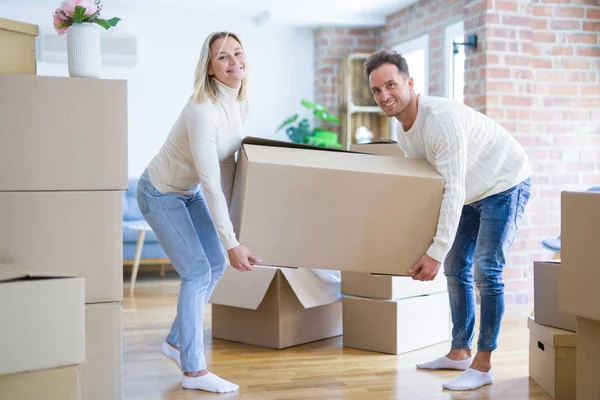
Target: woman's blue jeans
x=186 y=232
x=485 y=235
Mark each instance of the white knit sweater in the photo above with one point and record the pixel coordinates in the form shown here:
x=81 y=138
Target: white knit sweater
x=475 y=155
x=200 y=149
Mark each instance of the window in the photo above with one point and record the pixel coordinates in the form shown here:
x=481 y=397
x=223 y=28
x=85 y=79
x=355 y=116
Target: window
x=455 y=63
x=416 y=53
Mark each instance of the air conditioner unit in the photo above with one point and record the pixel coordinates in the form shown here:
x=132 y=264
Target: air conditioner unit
x=117 y=48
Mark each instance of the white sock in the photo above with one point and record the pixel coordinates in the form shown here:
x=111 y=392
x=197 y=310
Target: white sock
x=209 y=383
x=171 y=353
x=469 y=380
x=446 y=363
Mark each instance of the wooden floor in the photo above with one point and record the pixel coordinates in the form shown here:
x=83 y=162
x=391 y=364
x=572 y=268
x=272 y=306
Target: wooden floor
x=320 y=370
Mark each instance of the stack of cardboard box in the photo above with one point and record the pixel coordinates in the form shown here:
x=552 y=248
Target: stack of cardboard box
x=64 y=158
x=42 y=320
x=565 y=333
x=394 y=314
x=579 y=277
x=552 y=337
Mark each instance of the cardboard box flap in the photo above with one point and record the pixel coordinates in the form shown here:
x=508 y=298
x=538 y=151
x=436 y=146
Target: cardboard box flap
x=290 y=145
x=243 y=289
x=14 y=272
x=553 y=336
x=340 y=161
x=18 y=26
x=311 y=290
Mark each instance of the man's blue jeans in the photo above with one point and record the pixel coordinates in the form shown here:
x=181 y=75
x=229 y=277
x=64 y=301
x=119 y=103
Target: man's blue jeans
x=185 y=230
x=485 y=234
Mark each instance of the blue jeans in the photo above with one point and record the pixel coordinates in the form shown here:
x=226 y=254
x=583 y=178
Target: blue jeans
x=485 y=234
x=186 y=232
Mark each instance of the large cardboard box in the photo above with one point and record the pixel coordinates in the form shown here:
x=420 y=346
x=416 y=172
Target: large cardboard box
x=275 y=308
x=580 y=254
x=17 y=48
x=69 y=233
x=62 y=133
x=42 y=320
x=546 y=287
x=588 y=359
x=396 y=326
x=552 y=360
x=296 y=206
x=48 y=384
x=102 y=373
x=382 y=148
x=388 y=287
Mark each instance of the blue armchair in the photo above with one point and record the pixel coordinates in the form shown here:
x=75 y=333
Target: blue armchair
x=152 y=253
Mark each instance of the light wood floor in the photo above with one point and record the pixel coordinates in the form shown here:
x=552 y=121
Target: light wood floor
x=320 y=370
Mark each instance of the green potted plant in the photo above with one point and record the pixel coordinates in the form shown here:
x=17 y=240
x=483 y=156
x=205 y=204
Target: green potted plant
x=302 y=132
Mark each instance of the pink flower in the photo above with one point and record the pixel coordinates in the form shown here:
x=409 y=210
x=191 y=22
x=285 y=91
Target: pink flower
x=90 y=7
x=68 y=6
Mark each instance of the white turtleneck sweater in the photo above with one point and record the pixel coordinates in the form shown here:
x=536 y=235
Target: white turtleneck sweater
x=475 y=155
x=200 y=149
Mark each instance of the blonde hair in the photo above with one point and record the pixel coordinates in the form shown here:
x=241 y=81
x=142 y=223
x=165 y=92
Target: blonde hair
x=205 y=87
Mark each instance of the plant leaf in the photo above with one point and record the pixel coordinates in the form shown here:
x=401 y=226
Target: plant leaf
x=103 y=23
x=315 y=106
x=326 y=117
x=78 y=18
x=287 y=122
x=113 y=21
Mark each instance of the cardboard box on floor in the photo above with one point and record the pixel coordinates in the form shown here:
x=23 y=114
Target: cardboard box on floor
x=588 y=358
x=62 y=383
x=552 y=360
x=388 y=287
x=305 y=207
x=17 y=47
x=42 y=320
x=546 y=287
x=580 y=254
x=276 y=308
x=396 y=326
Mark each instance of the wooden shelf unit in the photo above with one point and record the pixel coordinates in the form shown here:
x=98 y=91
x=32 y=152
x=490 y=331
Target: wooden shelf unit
x=357 y=107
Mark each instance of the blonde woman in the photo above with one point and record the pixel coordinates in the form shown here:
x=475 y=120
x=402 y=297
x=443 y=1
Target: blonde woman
x=184 y=195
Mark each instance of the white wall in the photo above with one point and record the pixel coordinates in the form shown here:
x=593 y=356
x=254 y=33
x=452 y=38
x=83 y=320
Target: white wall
x=281 y=61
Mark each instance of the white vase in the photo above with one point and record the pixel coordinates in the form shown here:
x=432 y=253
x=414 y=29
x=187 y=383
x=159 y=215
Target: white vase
x=83 y=50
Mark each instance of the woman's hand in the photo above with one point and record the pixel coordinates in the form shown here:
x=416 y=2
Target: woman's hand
x=241 y=259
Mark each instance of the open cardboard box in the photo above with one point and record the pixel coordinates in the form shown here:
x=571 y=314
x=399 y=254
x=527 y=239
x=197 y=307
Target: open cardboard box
x=382 y=148
x=276 y=308
x=42 y=320
x=307 y=207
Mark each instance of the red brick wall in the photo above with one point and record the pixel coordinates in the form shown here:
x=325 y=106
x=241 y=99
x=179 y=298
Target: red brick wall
x=536 y=71
x=426 y=17
x=331 y=46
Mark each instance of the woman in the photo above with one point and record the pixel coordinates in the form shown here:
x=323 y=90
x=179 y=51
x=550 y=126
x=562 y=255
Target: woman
x=184 y=195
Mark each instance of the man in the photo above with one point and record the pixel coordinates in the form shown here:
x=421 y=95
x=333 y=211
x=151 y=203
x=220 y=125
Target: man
x=486 y=189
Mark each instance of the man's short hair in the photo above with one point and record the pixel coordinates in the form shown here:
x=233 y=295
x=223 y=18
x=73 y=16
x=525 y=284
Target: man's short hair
x=383 y=56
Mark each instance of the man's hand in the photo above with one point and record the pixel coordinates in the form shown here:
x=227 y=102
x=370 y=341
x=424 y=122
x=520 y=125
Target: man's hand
x=428 y=269
x=240 y=258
